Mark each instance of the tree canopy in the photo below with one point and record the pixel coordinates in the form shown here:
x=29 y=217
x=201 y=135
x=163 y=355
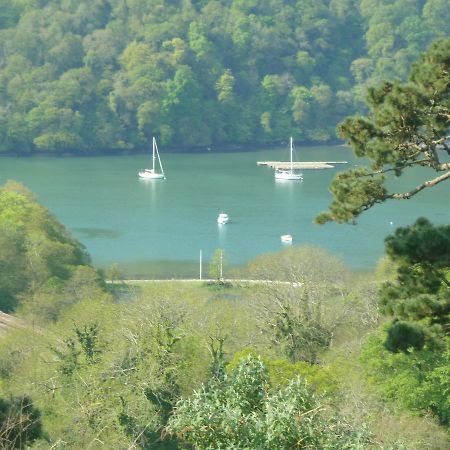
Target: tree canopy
x=407 y=127
x=241 y=412
x=421 y=292
x=38 y=255
x=84 y=75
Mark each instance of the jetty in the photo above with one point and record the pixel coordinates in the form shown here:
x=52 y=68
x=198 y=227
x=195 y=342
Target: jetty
x=300 y=164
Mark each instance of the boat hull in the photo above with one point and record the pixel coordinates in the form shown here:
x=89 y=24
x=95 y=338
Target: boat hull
x=151 y=175
x=223 y=219
x=288 y=176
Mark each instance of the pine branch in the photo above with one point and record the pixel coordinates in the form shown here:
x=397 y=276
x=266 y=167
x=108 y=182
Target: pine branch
x=421 y=162
x=427 y=184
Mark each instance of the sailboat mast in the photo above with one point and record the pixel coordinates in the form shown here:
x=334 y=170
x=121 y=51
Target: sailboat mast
x=291 y=155
x=154 y=155
x=159 y=160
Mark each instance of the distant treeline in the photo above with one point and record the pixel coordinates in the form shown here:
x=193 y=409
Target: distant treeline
x=80 y=75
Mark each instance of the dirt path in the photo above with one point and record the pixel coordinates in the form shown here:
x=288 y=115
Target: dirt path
x=8 y=322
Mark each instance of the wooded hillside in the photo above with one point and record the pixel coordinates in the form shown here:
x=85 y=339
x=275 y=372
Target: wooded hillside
x=84 y=75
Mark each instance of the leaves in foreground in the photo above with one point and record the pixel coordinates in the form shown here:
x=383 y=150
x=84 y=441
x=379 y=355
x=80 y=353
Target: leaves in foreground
x=242 y=412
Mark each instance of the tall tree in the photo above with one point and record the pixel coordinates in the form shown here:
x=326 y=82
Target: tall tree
x=421 y=292
x=407 y=127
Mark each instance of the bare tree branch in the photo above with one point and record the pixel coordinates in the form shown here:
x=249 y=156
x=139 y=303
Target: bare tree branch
x=426 y=184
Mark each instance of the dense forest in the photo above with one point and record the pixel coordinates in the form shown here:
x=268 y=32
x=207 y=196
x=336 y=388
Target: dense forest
x=86 y=75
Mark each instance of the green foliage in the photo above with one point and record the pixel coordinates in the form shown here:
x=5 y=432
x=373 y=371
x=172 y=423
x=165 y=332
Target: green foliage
x=422 y=243
x=421 y=291
x=282 y=372
x=402 y=336
x=87 y=75
x=225 y=86
x=416 y=379
x=79 y=350
x=217 y=368
x=38 y=253
x=304 y=313
x=301 y=331
x=159 y=343
x=240 y=412
x=88 y=337
x=48 y=302
x=128 y=373
x=113 y=273
x=100 y=372
x=406 y=127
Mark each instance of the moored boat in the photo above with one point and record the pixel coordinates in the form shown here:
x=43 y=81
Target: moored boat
x=223 y=219
x=288 y=174
x=152 y=173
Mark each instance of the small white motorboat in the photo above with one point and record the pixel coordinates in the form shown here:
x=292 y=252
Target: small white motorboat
x=223 y=219
x=286 y=238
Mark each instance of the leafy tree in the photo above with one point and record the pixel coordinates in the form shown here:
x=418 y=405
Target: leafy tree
x=216 y=265
x=39 y=255
x=421 y=292
x=113 y=273
x=68 y=53
x=407 y=127
x=225 y=86
x=12 y=267
x=298 y=326
x=242 y=412
x=217 y=368
x=309 y=299
x=85 y=344
x=10 y=13
x=416 y=379
x=434 y=12
x=403 y=337
x=225 y=50
x=153 y=350
x=281 y=372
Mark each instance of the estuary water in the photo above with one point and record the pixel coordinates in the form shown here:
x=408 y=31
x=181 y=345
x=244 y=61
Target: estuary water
x=155 y=228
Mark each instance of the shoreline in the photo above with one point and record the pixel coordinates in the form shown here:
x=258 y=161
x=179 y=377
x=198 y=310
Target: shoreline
x=168 y=270
x=225 y=148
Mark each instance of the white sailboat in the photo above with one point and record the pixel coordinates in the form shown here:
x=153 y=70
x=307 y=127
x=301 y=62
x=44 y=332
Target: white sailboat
x=151 y=173
x=288 y=174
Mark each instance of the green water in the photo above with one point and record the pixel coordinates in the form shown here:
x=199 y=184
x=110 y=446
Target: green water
x=158 y=227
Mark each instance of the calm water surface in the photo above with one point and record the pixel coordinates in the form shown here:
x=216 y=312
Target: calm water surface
x=158 y=227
